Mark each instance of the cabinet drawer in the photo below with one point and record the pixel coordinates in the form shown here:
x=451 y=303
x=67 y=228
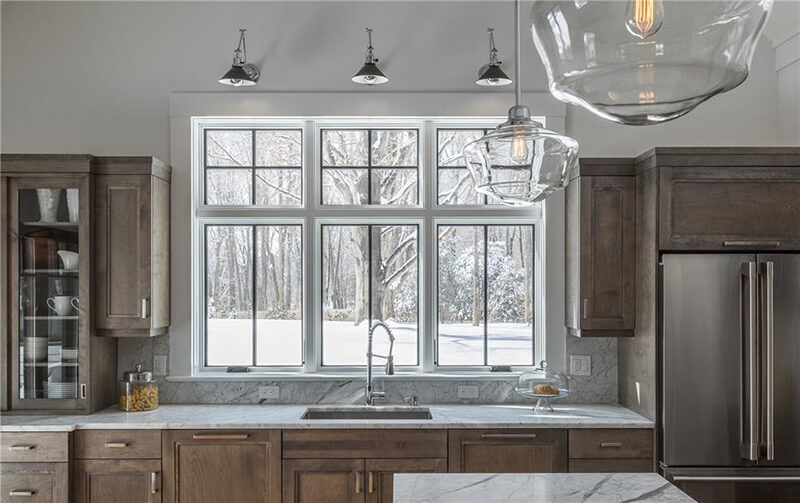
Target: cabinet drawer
x=118 y=444
x=34 y=447
x=629 y=443
x=364 y=444
x=642 y=465
x=33 y=482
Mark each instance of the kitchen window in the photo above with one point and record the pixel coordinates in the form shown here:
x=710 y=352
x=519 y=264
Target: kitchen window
x=309 y=230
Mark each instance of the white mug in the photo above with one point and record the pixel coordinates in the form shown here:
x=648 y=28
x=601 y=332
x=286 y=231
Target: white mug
x=62 y=305
x=69 y=259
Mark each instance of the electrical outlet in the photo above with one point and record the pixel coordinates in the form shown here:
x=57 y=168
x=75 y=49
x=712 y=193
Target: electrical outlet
x=467 y=392
x=159 y=365
x=580 y=365
x=269 y=392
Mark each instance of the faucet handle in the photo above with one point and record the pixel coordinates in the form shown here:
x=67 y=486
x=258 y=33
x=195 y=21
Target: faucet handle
x=389 y=369
x=411 y=400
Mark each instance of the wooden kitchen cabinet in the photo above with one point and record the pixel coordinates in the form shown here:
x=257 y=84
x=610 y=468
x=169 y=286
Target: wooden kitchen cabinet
x=610 y=450
x=34 y=482
x=323 y=481
x=117 y=481
x=132 y=207
x=728 y=199
x=214 y=466
x=600 y=249
x=508 y=451
x=380 y=474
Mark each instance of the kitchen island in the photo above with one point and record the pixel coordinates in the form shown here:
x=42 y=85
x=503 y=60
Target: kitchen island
x=535 y=488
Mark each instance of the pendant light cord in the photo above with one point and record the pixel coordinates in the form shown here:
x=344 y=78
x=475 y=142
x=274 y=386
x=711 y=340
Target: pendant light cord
x=517 y=58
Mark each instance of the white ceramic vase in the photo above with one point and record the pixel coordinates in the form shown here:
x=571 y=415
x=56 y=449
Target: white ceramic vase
x=48 y=204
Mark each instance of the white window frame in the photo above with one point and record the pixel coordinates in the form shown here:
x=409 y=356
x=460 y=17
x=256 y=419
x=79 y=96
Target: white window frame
x=311 y=215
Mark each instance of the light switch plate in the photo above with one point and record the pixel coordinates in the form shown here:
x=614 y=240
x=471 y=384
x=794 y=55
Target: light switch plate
x=467 y=392
x=269 y=392
x=159 y=365
x=580 y=365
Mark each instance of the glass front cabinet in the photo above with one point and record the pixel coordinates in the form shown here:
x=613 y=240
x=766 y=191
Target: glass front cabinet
x=53 y=357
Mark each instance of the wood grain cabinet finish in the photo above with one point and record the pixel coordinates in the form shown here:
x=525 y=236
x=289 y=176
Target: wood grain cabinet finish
x=611 y=450
x=600 y=255
x=31 y=447
x=117 y=481
x=34 y=482
x=117 y=444
x=217 y=465
x=508 y=451
x=364 y=444
x=132 y=248
x=728 y=208
x=323 y=481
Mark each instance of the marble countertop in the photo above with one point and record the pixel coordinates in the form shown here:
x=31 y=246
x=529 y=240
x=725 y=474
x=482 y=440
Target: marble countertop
x=535 y=487
x=289 y=417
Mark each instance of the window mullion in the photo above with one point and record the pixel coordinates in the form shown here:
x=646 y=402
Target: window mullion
x=254 y=294
x=486 y=295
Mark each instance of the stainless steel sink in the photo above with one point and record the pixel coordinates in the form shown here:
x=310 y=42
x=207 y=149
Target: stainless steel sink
x=385 y=413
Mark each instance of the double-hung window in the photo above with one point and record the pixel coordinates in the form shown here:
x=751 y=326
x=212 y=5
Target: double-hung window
x=310 y=230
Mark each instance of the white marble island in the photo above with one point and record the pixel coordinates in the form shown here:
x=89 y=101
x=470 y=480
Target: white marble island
x=535 y=488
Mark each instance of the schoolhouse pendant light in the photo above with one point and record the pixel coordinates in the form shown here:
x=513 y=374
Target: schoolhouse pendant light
x=520 y=162
x=642 y=62
x=241 y=73
x=491 y=74
x=370 y=74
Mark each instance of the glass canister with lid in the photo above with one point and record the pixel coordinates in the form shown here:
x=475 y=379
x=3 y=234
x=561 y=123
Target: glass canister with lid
x=137 y=391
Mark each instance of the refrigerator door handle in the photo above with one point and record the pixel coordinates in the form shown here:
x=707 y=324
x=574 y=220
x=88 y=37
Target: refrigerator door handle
x=748 y=288
x=698 y=478
x=767 y=281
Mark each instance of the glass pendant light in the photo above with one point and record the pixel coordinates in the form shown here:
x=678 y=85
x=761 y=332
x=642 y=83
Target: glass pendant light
x=370 y=74
x=491 y=74
x=520 y=162
x=643 y=62
x=241 y=73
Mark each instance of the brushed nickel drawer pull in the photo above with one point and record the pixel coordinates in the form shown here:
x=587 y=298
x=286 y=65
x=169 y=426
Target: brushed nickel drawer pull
x=371 y=482
x=610 y=444
x=771 y=244
x=220 y=436
x=507 y=436
x=22 y=447
x=358 y=482
x=117 y=445
x=153 y=487
x=21 y=492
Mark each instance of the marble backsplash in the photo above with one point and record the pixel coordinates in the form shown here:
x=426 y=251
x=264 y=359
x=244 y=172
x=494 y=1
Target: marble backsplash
x=600 y=387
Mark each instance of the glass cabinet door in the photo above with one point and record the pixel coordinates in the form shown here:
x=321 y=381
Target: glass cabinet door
x=50 y=282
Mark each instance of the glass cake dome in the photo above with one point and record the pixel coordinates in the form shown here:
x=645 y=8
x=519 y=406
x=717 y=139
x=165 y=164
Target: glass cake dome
x=544 y=385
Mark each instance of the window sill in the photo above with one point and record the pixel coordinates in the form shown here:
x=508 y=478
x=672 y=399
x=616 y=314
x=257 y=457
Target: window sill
x=328 y=376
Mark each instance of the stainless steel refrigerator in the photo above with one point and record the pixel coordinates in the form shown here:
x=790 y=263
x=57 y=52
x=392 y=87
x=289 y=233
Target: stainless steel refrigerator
x=731 y=376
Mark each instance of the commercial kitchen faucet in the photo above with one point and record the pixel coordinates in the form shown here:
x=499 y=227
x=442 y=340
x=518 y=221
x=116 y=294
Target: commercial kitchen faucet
x=370 y=395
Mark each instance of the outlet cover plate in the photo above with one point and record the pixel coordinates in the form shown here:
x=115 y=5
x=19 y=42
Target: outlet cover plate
x=269 y=392
x=159 y=365
x=580 y=365
x=467 y=392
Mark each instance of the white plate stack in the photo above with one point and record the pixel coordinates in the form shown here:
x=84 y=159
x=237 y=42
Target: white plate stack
x=60 y=389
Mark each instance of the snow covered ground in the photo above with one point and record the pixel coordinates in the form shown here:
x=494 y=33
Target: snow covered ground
x=279 y=342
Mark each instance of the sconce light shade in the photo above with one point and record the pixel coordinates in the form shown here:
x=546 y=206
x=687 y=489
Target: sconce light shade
x=370 y=75
x=244 y=75
x=241 y=73
x=492 y=75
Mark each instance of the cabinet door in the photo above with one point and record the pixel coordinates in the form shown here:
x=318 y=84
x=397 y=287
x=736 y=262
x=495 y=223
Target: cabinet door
x=508 y=451
x=118 y=481
x=323 y=481
x=214 y=466
x=34 y=482
x=122 y=206
x=601 y=263
x=380 y=475
x=729 y=208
